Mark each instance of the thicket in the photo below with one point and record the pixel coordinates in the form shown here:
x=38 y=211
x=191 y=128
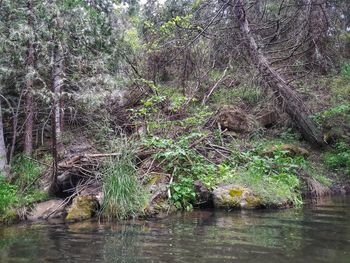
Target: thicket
x=160 y=73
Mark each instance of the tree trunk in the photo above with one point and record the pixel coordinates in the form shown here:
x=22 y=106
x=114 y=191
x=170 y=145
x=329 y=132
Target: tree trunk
x=287 y=97
x=29 y=106
x=3 y=159
x=57 y=82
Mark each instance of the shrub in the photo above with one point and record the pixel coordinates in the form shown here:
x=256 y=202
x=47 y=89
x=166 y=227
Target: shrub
x=339 y=158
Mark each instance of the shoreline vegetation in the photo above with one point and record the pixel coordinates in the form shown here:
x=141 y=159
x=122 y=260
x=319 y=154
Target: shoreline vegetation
x=114 y=110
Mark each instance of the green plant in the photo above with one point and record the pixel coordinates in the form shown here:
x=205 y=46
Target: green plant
x=183 y=192
x=345 y=70
x=339 y=110
x=186 y=166
x=339 y=158
x=26 y=171
x=274 y=179
x=123 y=195
x=8 y=200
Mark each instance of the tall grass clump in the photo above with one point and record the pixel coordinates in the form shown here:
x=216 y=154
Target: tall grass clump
x=123 y=195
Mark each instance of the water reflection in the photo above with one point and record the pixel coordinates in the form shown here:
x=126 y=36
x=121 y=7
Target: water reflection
x=317 y=233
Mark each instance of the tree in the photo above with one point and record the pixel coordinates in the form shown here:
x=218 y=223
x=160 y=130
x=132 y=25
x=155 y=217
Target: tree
x=287 y=97
x=3 y=159
x=29 y=107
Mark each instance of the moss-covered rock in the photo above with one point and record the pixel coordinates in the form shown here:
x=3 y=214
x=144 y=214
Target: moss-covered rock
x=82 y=208
x=235 y=196
x=290 y=150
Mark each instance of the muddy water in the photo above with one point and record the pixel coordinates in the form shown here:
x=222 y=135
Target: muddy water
x=315 y=233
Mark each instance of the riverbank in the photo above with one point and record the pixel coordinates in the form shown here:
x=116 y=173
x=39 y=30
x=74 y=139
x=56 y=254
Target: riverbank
x=173 y=153
x=270 y=175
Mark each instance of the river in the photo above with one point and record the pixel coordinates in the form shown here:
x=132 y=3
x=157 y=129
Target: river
x=315 y=233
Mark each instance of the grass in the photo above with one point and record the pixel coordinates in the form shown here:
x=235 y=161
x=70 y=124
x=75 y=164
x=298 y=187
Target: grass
x=123 y=195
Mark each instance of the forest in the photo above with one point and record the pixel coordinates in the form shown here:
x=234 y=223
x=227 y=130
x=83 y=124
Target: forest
x=118 y=109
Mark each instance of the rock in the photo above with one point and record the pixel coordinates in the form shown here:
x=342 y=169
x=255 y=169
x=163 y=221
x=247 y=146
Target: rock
x=94 y=190
x=47 y=210
x=203 y=195
x=235 y=196
x=157 y=184
x=290 y=149
x=82 y=208
x=234 y=119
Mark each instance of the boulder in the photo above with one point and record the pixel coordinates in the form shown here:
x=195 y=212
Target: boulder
x=290 y=149
x=157 y=184
x=235 y=196
x=82 y=208
x=47 y=210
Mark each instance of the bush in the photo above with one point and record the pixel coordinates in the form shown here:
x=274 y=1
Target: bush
x=123 y=195
x=339 y=158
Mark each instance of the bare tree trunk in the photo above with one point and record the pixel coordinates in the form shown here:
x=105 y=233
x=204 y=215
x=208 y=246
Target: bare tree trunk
x=57 y=82
x=3 y=159
x=29 y=106
x=287 y=97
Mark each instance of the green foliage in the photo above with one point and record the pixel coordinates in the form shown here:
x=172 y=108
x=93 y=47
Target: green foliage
x=339 y=158
x=273 y=178
x=186 y=166
x=8 y=197
x=340 y=85
x=248 y=94
x=345 y=71
x=337 y=111
x=183 y=193
x=123 y=195
x=26 y=171
x=22 y=191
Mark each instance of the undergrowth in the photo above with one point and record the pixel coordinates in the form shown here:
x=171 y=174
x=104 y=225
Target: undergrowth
x=22 y=190
x=274 y=179
x=339 y=158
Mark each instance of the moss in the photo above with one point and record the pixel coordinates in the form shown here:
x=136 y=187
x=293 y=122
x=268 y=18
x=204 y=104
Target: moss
x=83 y=207
x=237 y=192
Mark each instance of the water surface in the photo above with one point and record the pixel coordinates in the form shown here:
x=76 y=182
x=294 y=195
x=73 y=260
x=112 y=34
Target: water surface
x=315 y=233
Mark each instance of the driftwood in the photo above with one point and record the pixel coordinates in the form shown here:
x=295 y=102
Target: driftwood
x=286 y=96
